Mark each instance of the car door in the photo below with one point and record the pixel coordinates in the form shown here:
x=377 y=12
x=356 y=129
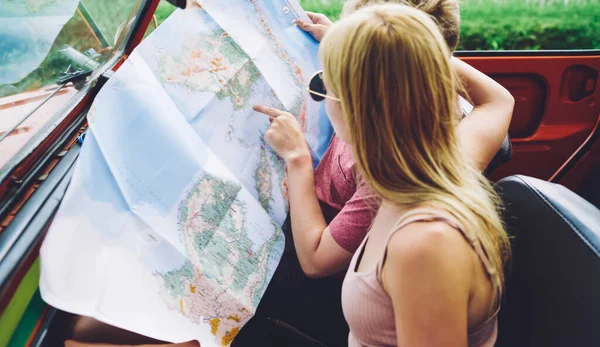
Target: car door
x=556 y=110
x=545 y=52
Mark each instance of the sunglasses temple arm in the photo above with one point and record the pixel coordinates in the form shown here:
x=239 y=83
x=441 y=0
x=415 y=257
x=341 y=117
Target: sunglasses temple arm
x=322 y=95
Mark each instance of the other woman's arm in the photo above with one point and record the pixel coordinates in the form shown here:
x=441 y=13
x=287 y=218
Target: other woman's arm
x=481 y=133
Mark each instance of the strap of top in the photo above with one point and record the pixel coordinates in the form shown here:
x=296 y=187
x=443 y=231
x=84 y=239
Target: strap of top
x=424 y=214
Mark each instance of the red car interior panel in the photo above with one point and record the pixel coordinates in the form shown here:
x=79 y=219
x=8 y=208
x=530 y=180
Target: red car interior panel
x=556 y=108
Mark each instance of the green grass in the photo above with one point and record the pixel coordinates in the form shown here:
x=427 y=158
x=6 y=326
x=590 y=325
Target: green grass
x=503 y=24
x=163 y=11
x=330 y=8
x=517 y=24
x=110 y=15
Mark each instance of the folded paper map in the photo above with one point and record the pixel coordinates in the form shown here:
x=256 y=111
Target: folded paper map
x=170 y=227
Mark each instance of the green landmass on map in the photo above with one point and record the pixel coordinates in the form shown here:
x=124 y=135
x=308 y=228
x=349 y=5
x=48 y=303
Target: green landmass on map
x=262 y=177
x=225 y=275
x=211 y=64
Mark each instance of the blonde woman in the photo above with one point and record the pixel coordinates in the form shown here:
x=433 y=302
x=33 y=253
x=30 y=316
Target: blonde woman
x=430 y=272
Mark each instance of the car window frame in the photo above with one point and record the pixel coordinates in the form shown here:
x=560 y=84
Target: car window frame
x=22 y=170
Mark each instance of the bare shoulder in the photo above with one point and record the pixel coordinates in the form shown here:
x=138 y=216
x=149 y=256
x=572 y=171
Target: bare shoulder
x=429 y=240
x=432 y=250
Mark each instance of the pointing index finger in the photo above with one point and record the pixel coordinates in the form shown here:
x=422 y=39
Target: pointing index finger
x=269 y=111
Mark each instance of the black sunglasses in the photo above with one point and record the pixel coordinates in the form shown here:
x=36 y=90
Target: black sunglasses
x=316 y=88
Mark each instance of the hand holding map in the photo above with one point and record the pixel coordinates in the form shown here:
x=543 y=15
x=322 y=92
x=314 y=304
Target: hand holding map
x=317 y=24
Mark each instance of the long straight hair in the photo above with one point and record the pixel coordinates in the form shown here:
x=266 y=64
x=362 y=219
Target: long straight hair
x=388 y=65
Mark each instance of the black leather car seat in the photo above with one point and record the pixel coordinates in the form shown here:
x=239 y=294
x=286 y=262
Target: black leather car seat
x=552 y=295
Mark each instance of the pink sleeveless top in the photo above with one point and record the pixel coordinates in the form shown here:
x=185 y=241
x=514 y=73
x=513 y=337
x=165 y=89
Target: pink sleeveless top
x=368 y=308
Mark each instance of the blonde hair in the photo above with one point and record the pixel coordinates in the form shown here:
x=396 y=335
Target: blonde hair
x=445 y=13
x=389 y=67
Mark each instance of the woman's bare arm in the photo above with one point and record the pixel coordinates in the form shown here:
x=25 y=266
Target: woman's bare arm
x=481 y=133
x=318 y=253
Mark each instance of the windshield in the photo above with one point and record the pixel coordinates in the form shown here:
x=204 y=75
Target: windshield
x=44 y=42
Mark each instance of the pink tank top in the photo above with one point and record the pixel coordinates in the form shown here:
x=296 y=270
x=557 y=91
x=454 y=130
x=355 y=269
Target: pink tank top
x=368 y=308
